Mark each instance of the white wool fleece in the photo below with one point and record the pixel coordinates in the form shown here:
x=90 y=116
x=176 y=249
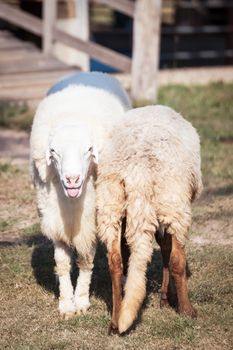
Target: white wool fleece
x=70 y=128
x=150 y=172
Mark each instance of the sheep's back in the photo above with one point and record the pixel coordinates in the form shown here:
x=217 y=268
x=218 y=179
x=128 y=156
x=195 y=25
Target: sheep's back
x=155 y=145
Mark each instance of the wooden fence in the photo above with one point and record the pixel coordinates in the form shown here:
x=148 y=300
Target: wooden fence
x=145 y=62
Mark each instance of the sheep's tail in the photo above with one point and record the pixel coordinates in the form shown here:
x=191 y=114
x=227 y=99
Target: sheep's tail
x=140 y=239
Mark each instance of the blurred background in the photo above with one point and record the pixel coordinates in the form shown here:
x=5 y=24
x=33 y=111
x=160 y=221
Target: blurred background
x=58 y=37
x=193 y=32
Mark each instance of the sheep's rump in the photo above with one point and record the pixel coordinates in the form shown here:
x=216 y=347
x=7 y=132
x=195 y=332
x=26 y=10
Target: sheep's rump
x=93 y=79
x=157 y=142
x=156 y=154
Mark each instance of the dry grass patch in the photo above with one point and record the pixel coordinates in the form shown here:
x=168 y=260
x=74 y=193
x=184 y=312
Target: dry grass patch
x=29 y=317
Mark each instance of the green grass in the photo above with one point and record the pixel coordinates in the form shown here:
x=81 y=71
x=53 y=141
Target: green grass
x=15 y=116
x=8 y=168
x=32 y=230
x=28 y=314
x=3 y=225
x=210 y=111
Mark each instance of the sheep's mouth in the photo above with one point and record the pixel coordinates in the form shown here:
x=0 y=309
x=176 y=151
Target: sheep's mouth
x=73 y=192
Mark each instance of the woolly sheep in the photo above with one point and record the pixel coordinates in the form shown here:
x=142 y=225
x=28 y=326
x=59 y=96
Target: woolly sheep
x=69 y=129
x=149 y=173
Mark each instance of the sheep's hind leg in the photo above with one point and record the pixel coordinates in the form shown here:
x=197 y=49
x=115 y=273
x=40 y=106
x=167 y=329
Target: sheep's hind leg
x=116 y=269
x=165 y=242
x=62 y=256
x=82 y=291
x=178 y=270
x=111 y=225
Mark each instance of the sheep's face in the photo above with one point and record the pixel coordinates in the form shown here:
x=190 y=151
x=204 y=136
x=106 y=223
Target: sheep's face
x=70 y=151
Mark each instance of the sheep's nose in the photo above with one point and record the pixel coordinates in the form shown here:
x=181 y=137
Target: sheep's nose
x=72 y=180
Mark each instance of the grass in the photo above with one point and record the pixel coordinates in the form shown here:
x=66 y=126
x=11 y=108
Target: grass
x=15 y=116
x=210 y=110
x=8 y=168
x=29 y=290
x=3 y=225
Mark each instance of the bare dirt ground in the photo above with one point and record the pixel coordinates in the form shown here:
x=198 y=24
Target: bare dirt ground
x=14 y=146
x=15 y=189
x=213 y=217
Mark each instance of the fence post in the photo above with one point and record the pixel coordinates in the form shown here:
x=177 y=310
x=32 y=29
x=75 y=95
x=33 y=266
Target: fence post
x=146 y=49
x=49 y=18
x=83 y=30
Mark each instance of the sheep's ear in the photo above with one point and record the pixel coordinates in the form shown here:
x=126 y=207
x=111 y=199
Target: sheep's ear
x=95 y=154
x=42 y=168
x=48 y=157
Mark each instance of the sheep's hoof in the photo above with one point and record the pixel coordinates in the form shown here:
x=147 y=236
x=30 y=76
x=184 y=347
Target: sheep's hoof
x=66 y=308
x=82 y=305
x=66 y=316
x=164 y=303
x=112 y=329
x=82 y=311
x=164 y=300
x=188 y=310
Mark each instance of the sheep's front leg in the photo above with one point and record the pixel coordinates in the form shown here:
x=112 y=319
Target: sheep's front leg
x=178 y=270
x=116 y=269
x=82 y=291
x=62 y=255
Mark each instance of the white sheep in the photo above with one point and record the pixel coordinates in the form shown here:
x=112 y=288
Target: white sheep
x=149 y=172
x=69 y=129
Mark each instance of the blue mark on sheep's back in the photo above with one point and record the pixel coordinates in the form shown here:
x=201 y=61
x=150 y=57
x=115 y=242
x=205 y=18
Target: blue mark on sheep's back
x=98 y=80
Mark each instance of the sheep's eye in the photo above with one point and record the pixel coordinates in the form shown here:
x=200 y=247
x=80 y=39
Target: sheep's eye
x=88 y=151
x=53 y=153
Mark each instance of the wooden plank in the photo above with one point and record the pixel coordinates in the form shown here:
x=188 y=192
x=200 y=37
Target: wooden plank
x=27 y=93
x=204 y=29
x=28 y=65
x=206 y=3
x=4 y=34
x=19 y=55
x=30 y=77
x=49 y=17
x=15 y=45
x=20 y=18
x=123 y=6
x=20 y=52
x=146 y=49
x=96 y=51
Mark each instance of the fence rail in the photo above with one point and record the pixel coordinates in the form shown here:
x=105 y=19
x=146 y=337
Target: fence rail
x=94 y=50
x=50 y=32
x=146 y=14
x=206 y=3
x=205 y=29
x=123 y=6
x=21 y=19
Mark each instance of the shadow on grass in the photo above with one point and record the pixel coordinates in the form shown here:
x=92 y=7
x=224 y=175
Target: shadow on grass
x=219 y=191
x=43 y=264
x=42 y=261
